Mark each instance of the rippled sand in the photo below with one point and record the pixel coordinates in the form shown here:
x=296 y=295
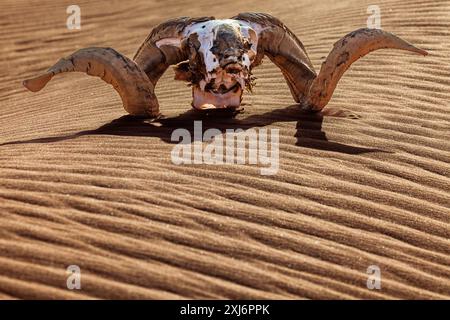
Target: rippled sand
x=365 y=183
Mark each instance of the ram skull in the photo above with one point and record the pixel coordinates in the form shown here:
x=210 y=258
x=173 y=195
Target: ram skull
x=216 y=58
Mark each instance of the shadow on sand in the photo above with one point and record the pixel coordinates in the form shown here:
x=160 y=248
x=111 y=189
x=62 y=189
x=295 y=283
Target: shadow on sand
x=309 y=132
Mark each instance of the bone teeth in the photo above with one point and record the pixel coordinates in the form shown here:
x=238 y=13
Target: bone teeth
x=202 y=85
x=241 y=82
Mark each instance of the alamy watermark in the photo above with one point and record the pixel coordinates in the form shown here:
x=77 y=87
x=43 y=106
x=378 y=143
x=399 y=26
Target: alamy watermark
x=235 y=146
x=374 y=278
x=74 y=279
x=374 y=20
x=73 y=21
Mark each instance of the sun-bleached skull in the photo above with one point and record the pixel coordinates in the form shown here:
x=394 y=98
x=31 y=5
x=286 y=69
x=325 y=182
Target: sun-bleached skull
x=221 y=53
x=216 y=57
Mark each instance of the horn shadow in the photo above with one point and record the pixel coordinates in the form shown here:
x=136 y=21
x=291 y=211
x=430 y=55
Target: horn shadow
x=309 y=131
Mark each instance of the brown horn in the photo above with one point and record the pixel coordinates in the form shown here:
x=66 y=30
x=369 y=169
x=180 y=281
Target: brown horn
x=283 y=48
x=132 y=84
x=350 y=48
x=163 y=47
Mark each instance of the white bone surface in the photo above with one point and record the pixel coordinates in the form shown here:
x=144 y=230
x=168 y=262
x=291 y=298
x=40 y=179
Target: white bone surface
x=206 y=32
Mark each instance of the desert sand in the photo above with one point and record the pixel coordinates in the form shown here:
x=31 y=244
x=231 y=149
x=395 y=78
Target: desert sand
x=365 y=182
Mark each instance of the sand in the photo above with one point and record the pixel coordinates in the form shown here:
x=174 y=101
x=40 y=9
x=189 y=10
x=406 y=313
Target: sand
x=364 y=183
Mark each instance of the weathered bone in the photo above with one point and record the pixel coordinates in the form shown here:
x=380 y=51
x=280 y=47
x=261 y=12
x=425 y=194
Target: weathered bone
x=350 y=48
x=124 y=75
x=213 y=55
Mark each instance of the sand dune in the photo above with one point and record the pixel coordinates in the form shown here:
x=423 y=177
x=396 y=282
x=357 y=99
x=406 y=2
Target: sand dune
x=365 y=183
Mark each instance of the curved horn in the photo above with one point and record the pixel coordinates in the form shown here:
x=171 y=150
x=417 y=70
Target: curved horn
x=350 y=48
x=283 y=48
x=163 y=47
x=133 y=85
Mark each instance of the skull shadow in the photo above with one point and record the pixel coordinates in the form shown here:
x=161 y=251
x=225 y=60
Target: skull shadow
x=309 y=133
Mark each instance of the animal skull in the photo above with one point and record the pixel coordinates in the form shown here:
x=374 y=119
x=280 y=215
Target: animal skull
x=216 y=58
x=221 y=53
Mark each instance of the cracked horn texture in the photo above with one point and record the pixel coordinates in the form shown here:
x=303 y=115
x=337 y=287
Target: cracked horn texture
x=347 y=50
x=284 y=49
x=154 y=61
x=132 y=84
